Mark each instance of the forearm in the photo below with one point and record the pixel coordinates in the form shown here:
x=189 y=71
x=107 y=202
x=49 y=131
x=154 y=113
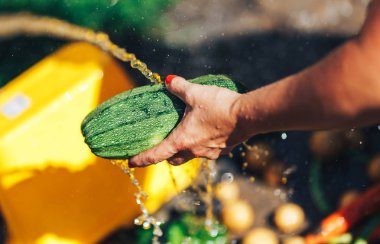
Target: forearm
x=342 y=90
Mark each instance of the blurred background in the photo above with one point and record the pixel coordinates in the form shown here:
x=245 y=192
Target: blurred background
x=280 y=186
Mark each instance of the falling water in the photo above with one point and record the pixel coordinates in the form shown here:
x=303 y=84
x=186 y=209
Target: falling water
x=18 y=24
x=144 y=219
x=28 y=24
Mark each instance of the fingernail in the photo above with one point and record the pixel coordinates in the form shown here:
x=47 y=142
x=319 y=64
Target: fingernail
x=169 y=79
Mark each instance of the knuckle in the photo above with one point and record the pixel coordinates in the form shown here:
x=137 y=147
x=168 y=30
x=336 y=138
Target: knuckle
x=189 y=95
x=150 y=160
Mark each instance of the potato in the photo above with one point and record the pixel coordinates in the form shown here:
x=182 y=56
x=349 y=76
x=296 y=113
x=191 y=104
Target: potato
x=227 y=192
x=260 y=236
x=373 y=169
x=347 y=198
x=294 y=240
x=238 y=216
x=273 y=173
x=289 y=217
x=327 y=144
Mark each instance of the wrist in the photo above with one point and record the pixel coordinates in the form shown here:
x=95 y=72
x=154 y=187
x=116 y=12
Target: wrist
x=245 y=115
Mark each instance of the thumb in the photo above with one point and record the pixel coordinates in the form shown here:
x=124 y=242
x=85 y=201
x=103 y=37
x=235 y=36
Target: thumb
x=178 y=86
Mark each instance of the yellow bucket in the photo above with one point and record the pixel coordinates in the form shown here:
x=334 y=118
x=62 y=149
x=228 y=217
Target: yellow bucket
x=52 y=188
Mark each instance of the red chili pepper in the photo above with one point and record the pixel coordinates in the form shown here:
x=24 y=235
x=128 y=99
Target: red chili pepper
x=339 y=222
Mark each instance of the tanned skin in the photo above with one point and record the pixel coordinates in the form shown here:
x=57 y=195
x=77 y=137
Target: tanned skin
x=341 y=90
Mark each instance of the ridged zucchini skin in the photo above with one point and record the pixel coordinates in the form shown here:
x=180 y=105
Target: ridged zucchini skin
x=138 y=119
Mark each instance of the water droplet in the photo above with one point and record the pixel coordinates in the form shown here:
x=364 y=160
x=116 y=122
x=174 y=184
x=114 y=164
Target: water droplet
x=284 y=136
x=277 y=192
x=208 y=222
x=214 y=232
x=137 y=221
x=157 y=231
x=227 y=177
x=135 y=63
x=284 y=180
x=146 y=225
x=101 y=37
x=245 y=165
x=130 y=56
x=290 y=170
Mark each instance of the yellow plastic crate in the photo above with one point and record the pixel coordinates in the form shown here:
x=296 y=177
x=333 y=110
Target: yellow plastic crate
x=52 y=188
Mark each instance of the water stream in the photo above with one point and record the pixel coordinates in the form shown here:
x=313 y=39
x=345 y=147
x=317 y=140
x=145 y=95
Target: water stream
x=28 y=24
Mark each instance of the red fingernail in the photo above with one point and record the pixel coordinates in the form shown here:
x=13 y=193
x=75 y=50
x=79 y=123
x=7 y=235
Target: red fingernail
x=169 y=79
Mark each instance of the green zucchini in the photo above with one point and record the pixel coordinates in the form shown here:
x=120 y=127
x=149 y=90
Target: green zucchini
x=138 y=119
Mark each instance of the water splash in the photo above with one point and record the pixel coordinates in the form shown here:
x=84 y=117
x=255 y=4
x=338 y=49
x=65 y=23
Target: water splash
x=28 y=24
x=206 y=165
x=145 y=220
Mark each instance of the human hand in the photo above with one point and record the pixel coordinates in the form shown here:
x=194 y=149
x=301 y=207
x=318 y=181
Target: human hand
x=208 y=127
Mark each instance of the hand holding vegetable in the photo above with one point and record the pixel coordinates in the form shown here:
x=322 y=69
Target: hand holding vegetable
x=208 y=128
x=341 y=90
